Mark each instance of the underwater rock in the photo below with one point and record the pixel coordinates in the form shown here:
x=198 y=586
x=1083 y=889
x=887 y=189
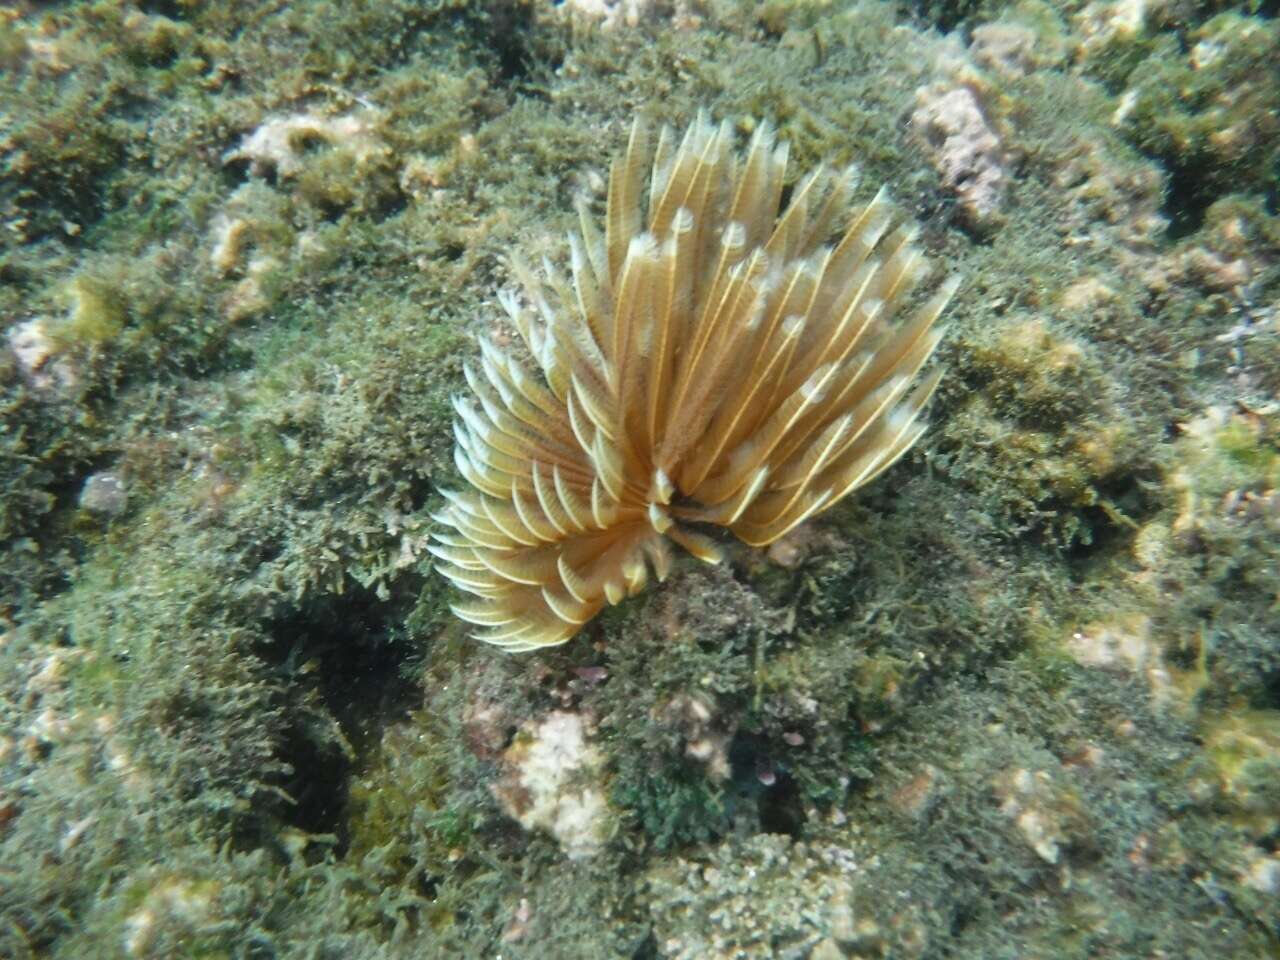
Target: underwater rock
x=763 y=897
x=965 y=150
x=551 y=782
x=1041 y=809
x=1006 y=47
x=172 y=908
x=1124 y=644
x=104 y=492
x=37 y=358
x=704 y=741
x=279 y=146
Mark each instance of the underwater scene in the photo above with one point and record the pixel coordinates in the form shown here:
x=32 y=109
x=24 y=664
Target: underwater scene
x=643 y=479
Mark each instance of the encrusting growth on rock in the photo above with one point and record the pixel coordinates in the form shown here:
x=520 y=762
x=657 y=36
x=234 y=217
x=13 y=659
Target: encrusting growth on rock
x=708 y=361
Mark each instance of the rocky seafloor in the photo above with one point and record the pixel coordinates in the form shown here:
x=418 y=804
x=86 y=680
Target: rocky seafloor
x=1019 y=698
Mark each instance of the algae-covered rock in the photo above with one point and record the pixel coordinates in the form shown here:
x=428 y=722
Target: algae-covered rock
x=1204 y=111
x=1017 y=699
x=766 y=897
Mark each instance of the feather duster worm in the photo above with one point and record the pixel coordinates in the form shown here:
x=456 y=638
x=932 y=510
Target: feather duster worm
x=709 y=360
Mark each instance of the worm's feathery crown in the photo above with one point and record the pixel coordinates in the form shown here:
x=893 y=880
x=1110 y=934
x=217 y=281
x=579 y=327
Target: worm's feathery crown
x=709 y=360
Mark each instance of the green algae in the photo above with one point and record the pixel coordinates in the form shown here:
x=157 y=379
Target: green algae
x=1203 y=109
x=238 y=719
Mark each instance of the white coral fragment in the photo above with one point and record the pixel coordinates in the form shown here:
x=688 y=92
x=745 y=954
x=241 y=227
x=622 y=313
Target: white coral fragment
x=279 y=145
x=964 y=148
x=551 y=783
